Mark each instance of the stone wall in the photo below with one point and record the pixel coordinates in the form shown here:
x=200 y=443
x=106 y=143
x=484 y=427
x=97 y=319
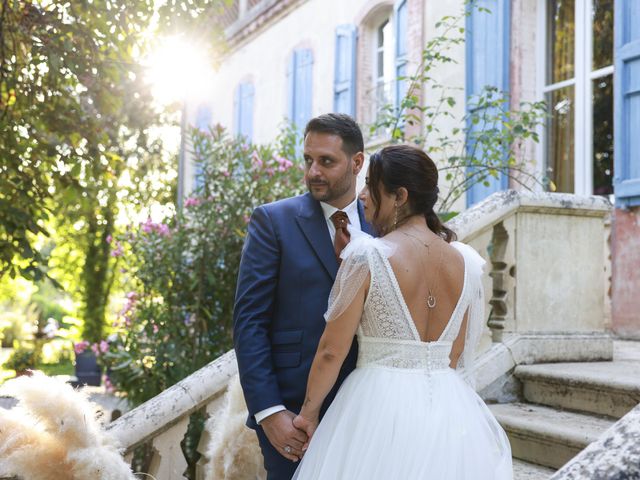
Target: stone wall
x=625 y=274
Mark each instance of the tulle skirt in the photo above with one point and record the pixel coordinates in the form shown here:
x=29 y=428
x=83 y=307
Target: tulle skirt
x=388 y=423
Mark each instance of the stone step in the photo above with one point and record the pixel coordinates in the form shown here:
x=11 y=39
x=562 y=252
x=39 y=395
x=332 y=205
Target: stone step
x=529 y=471
x=603 y=388
x=546 y=436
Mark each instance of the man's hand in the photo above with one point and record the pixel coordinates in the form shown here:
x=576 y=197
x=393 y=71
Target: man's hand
x=283 y=435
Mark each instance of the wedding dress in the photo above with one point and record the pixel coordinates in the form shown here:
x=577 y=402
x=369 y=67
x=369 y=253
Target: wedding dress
x=403 y=413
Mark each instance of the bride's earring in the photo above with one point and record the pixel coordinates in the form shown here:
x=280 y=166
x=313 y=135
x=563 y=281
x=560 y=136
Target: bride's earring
x=395 y=218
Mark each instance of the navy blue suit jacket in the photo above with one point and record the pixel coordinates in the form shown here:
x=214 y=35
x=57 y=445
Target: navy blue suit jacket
x=287 y=269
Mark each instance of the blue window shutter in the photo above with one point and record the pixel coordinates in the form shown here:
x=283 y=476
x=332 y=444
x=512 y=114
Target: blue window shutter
x=202 y=123
x=237 y=102
x=246 y=111
x=291 y=68
x=203 y=117
x=627 y=103
x=300 y=81
x=487 y=41
x=243 y=110
x=400 y=21
x=302 y=87
x=344 y=98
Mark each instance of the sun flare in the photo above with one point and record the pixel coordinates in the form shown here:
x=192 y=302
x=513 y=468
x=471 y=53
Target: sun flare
x=179 y=70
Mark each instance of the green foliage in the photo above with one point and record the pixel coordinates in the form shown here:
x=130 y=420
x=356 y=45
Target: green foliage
x=74 y=108
x=13 y=328
x=23 y=358
x=76 y=114
x=177 y=318
x=484 y=143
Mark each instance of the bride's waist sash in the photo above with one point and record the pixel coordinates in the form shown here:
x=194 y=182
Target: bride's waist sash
x=408 y=354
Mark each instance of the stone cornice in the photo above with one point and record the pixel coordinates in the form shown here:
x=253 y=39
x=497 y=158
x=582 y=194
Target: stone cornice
x=256 y=19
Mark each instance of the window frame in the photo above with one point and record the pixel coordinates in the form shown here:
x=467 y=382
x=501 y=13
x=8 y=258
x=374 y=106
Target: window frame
x=583 y=77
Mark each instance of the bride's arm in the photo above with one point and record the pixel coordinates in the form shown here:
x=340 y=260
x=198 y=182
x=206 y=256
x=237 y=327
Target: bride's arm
x=333 y=348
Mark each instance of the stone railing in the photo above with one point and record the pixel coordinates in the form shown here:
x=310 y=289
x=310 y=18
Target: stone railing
x=551 y=245
x=164 y=419
x=615 y=455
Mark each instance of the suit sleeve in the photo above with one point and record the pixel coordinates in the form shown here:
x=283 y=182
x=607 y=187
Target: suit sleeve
x=253 y=310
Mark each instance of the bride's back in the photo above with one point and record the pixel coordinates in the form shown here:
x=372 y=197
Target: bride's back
x=430 y=274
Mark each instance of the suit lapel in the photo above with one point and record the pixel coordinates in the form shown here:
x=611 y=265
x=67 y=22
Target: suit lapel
x=364 y=226
x=311 y=221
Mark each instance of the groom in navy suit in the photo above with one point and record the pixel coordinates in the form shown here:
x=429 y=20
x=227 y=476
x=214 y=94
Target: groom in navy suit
x=289 y=262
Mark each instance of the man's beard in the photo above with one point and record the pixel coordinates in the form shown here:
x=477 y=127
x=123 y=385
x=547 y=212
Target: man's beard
x=342 y=186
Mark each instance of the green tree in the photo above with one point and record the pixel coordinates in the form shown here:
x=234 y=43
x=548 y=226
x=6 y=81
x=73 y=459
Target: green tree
x=75 y=116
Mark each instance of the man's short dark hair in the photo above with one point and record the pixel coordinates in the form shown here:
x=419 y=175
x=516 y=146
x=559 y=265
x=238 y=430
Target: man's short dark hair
x=339 y=124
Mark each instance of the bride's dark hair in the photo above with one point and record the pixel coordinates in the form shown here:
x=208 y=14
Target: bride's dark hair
x=398 y=166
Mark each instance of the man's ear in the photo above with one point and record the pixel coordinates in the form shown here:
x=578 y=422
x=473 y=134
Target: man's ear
x=402 y=196
x=358 y=162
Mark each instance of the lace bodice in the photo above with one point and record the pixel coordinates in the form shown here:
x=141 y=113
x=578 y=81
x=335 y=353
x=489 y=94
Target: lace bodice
x=387 y=335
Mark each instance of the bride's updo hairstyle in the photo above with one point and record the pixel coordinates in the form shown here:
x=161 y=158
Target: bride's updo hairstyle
x=405 y=166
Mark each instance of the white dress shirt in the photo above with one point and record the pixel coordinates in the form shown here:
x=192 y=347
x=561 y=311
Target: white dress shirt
x=354 y=222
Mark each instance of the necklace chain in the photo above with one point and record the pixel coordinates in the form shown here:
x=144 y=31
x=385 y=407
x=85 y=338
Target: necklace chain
x=431 y=298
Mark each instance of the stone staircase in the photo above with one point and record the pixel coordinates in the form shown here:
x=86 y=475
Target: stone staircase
x=565 y=407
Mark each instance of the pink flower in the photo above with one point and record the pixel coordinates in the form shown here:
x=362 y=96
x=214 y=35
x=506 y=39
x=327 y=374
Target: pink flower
x=96 y=349
x=256 y=160
x=80 y=347
x=147 y=227
x=118 y=250
x=132 y=295
x=225 y=173
x=284 y=164
x=163 y=229
x=104 y=346
x=191 y=202
x=270 y=171
x=109 y=238
x=155 y=328
x=108 y=386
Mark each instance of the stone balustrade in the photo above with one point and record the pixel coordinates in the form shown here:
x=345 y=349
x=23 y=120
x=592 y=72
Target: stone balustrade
x=615 y=455
x=163 y=420
x=545 y=282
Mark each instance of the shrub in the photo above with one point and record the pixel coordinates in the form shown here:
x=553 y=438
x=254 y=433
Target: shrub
x=22 y=358
x=182 y=270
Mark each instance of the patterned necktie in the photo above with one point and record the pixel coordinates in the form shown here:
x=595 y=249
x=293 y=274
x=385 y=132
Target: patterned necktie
x=340 y=221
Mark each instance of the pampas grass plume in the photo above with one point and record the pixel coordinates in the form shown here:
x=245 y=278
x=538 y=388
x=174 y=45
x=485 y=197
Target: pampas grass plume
x=53 y=433
x=233 y=451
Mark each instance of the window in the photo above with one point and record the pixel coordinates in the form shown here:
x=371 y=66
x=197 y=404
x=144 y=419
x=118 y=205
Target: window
x=384 y=74
x=384 y=53
x=578 y=89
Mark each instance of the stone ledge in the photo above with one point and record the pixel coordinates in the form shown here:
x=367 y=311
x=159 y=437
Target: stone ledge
x=495 y=208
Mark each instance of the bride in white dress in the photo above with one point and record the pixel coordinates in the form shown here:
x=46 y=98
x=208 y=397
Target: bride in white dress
x=414 y=299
